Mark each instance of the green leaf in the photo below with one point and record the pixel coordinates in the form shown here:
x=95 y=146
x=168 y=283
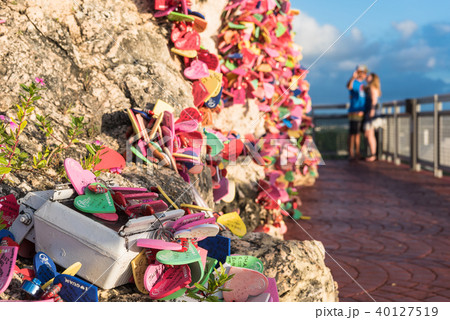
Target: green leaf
x=24 y=87
x=23 y=125
x=35 y=98
x=3 y=160
x=91 y=150
x=212 y=299
x=23 y=155
x=5 y=170
x=200 y=287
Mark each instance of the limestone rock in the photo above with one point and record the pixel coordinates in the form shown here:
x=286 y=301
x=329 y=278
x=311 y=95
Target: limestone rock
x=297 y=266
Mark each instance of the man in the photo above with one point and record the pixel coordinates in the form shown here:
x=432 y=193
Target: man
x=356 y=111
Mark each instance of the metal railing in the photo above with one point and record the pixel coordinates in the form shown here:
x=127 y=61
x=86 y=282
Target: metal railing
x=415 y=131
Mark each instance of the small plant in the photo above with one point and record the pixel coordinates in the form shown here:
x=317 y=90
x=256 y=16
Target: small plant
x=93 y=158
x=76 y=129
x=216 y=282
x=11 y=157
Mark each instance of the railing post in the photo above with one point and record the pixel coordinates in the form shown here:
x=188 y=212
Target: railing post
x=379 y=136
x=396 y=158
x=313 y=133
x=411 y=108
x=436 y=147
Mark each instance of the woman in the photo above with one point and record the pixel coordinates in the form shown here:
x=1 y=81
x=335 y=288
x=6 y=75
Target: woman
x=373 y=93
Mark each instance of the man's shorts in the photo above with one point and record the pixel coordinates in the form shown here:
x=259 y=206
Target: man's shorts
x=356 y=122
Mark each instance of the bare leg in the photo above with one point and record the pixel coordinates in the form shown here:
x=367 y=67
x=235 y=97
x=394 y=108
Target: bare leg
x=351 y=145
x=372 y=144
x=357 y=146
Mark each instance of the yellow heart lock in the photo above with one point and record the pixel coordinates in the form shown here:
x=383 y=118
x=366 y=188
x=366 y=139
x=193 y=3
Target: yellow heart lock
x=231 y=192
x=162 y=106
x=212 y=83
x=266 y=36
x=72 y=270
x=139 y=266
x=185 y=53
x=233 y=222
x=294 y=133
x=265 y=67
x=254 y=49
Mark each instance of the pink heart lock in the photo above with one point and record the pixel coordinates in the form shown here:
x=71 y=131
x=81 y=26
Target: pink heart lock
x=269 y=90
x=153 y=274
x=168 y=121
x=222 y=190
x=238 y=95
x=10 y=209
x=186 y=126
x=79 y=177
x=271 y=52
x=273 y=290
x=159 y=244
x=167 y=138
x=8 y=256
x=196 y=70
x=180 y=222
x=240 y=71
x=245 y=283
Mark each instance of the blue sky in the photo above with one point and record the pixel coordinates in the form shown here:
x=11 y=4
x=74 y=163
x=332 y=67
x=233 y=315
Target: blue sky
x=406 y=42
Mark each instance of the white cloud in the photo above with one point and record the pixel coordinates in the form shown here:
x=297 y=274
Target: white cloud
x=314 y=38
x=406 y=28
x=431 y=63
x=357 y=35
x=413 y=58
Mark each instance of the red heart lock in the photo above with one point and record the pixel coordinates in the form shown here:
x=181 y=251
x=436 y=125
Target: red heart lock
x=232 y=150
x=211 y=60
x=188 y=41
x=189 y=114
x=193 y=139
x=199 y=92
x=162 y=4
x=196 y=70
x=178 y=30
x=238 y=95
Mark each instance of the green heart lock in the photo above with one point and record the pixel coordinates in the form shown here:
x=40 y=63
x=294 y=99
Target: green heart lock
x=248 y=262
x=178 y=258
x=92 y=202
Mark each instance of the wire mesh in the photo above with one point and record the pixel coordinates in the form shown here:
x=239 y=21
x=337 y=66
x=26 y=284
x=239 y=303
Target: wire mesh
x=385 y=134
x=444 y=139
x=404 y=136
x=425 y=138
x=391 y=135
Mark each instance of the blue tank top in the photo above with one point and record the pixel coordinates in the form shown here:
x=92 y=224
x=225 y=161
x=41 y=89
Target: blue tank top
x=357 y=97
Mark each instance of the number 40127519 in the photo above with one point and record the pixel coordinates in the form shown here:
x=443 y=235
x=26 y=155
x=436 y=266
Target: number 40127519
x=407 y=311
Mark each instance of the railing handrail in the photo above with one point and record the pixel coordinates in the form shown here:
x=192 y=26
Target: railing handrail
x=392 y=114
x=394 y=103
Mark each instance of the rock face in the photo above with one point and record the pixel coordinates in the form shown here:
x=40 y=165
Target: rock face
x=297 y=266
x=98 y=58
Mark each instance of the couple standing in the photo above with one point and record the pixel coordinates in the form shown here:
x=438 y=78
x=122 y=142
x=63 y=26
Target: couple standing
x=365 y=91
